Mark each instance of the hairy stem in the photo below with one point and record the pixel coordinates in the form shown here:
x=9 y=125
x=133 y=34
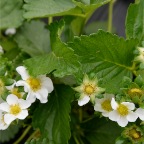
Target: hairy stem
x=23 y=135
x=33 y=135
x=110 y=13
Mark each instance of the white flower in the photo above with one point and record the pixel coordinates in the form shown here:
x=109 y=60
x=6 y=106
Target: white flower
x=88 y=90
x=3 y=125
x=140 y=57
x=14 y=90
x=104 y=104
x=122 y=113
x=10 y=31
x=14 y=108
x=38 y=87
x=1 y=49
x=140 y=113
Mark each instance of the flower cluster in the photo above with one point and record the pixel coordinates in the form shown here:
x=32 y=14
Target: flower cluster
x=122 y=111
x=17 y=102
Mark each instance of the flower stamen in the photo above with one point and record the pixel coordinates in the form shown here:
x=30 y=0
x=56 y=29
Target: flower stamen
x=122 y=110
x=15 y=109
x=15 y=92
x=89 y=89
x=34 y=83
x=106 y=105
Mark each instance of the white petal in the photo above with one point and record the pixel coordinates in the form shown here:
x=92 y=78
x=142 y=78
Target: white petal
x=42 y=95
x=83 y=101
x=23 y=72
x=24 y=104
x=47 y=83
x=140 y=113
x=4 y=107
x=23 y=114
x=114 y=104
x=11 y=86
x=129 y=105
x=108 y=96
x=105 y=114
x=12 y=99
x=10 y=31
x=132 y=116
x=31 y=97
x=23 y=83
x=1 y=49
x=4 y=126
x=122 y=121
x=97 y=107
x=8 y=118
x=114 y=116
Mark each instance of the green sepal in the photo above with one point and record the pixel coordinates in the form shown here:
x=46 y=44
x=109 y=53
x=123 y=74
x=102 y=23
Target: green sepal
x=7 y=81
x=141 y=66
x=139 y=80
x=126 y=81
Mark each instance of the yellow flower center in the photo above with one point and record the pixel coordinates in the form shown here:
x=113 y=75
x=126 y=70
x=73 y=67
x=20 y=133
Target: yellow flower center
x=106 y=105
x=34 y=83
x=122 y=110
x=135 y=92
x=15 y=109
x=89 y=89
x=134 y=134
x=15 y=92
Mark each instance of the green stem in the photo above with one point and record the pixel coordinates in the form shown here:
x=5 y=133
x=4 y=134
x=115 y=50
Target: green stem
x=50 y=20
x=80 y=114
x=110 y=13
x=32 y=135
x=76 y=140
x=22 y=136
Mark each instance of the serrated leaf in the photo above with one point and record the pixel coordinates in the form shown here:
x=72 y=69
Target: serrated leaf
x=8 y=134
x=62 y=59
x=53 y=118
x=107 y=55
x=33 y=38
x=11 y=13
x=135 y=21
x=101 y=131
x=45 y=8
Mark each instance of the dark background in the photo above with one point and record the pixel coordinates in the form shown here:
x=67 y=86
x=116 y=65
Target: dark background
x=119 y=15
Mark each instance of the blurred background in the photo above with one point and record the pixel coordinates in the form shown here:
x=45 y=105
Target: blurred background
x=119 y=15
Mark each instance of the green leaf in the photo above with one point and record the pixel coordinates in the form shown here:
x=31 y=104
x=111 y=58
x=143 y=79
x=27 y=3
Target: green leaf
x=62 y=59
x=101 y=131
x=53 y=117
x=106 y=55
x=39 y=141
x=45 y=8
x=135 y=21
x=11 y=13
x=8 y=134
x=33 y=38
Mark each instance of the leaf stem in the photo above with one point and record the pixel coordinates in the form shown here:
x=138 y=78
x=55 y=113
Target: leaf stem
x=50 y=20
x=76 y=140
x=23 y=135
x=32 y=135
x=110 y=13
x=80 y=114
